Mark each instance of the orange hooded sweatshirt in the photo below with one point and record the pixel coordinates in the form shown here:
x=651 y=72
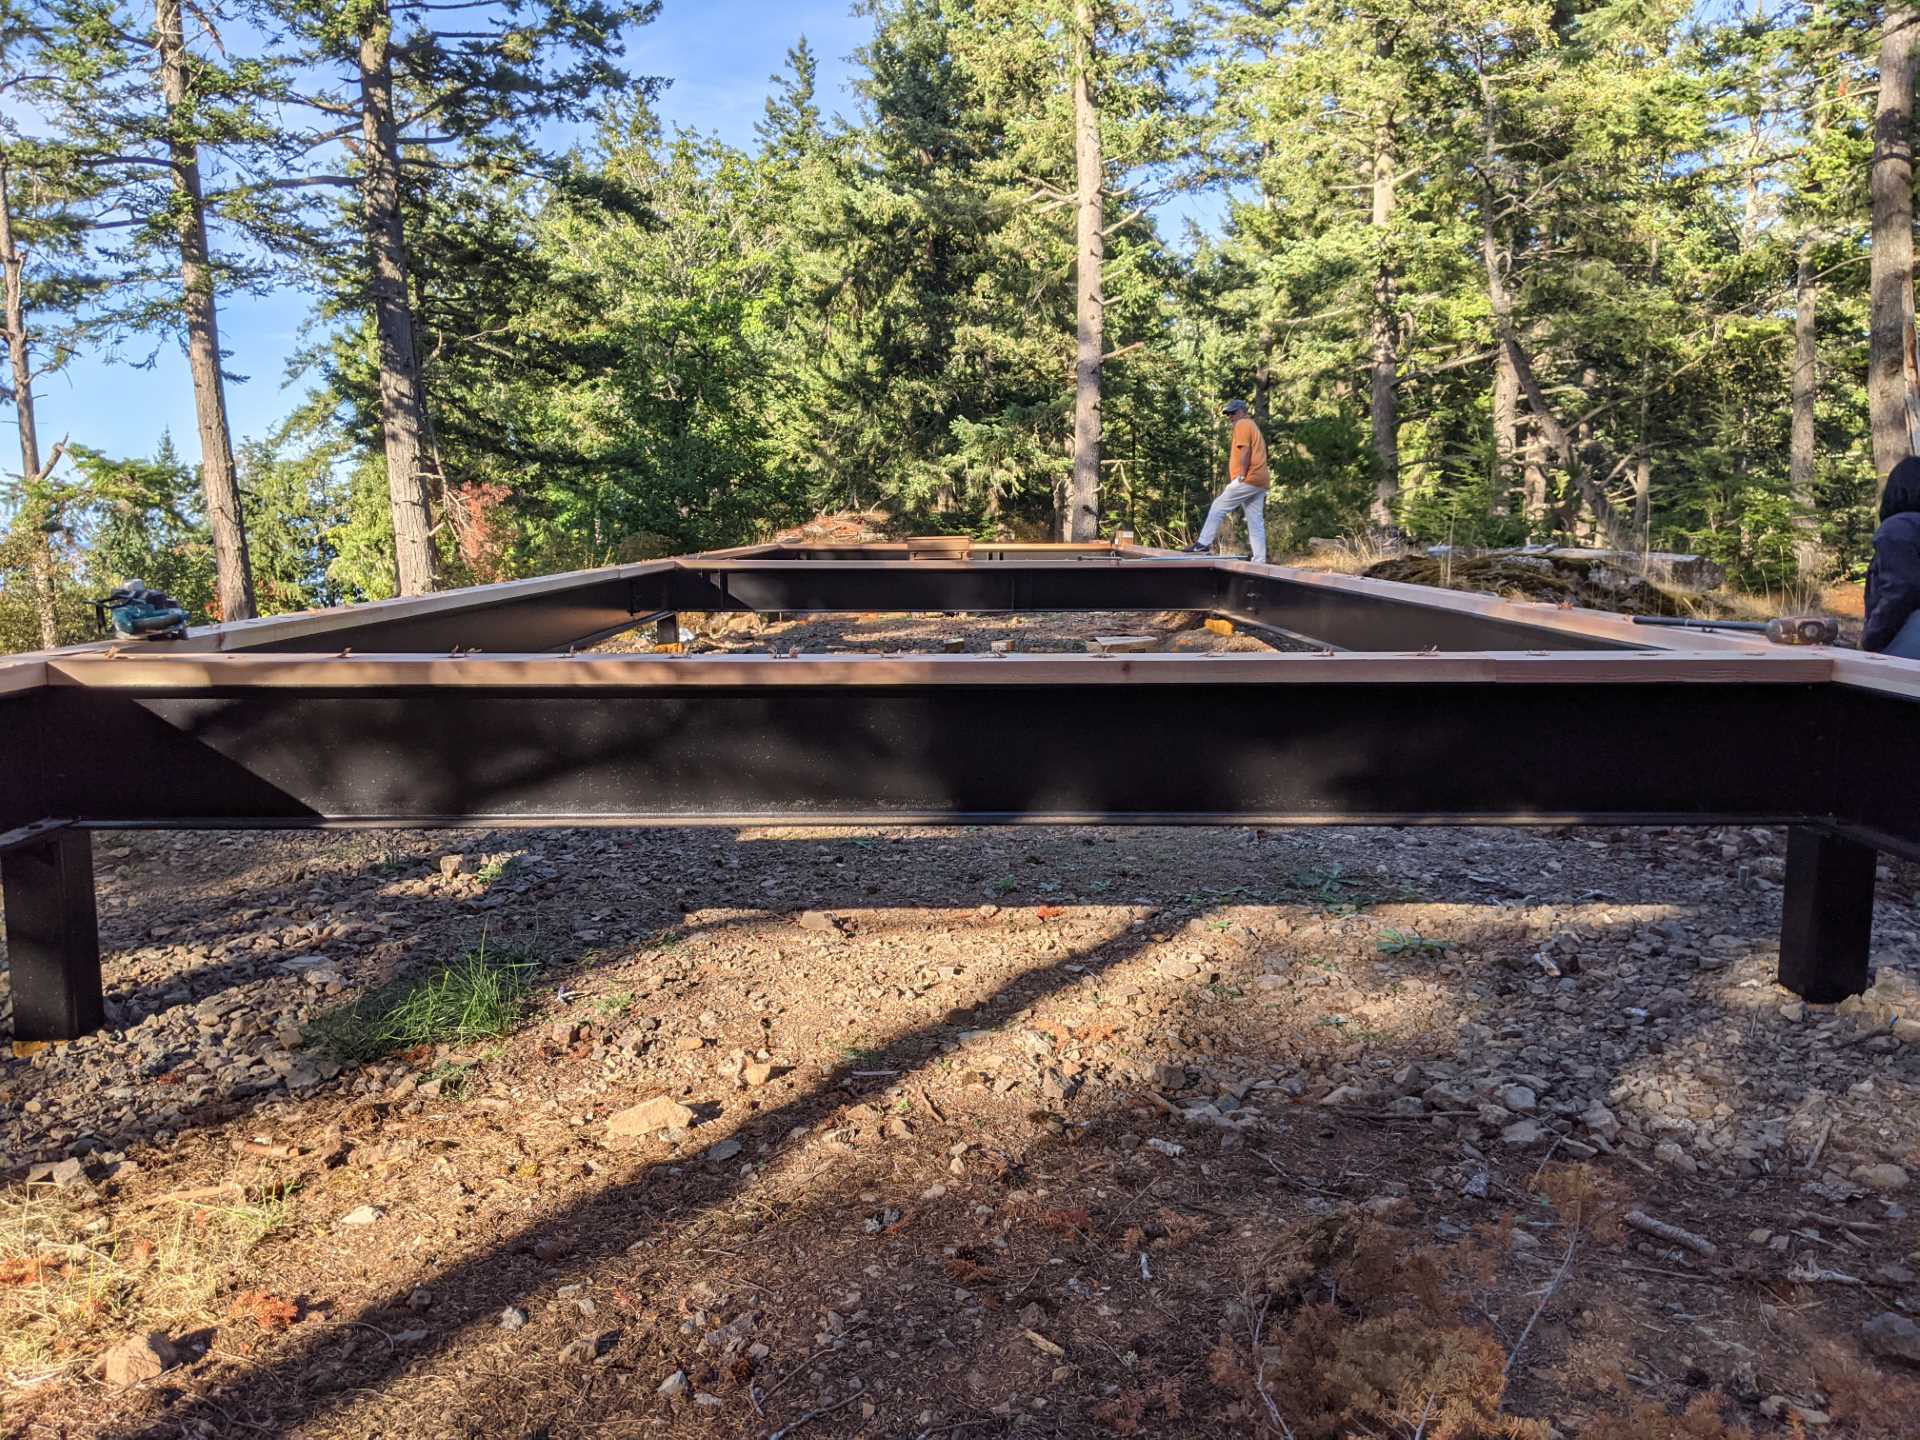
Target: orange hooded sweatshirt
x=1248 y=461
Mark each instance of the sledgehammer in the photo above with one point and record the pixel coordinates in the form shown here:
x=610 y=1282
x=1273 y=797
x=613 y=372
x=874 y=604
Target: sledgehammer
x=1787 y=630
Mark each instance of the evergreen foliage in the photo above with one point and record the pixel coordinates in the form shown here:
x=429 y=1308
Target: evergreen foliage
x=658 y=341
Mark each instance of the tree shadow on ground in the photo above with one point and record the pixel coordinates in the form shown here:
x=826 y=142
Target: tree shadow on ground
x=795 y=1217
x=656 y=884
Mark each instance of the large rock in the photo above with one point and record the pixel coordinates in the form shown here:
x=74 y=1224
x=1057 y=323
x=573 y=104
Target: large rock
x=1523 y=1133
x=142 y=1358
x=1518 y=1098
x=660 y=1113
x=1686 y=572
x=1602 y=1122
x=1885 y=1178
x=1892 y=1337
x=1668 y=1152
x=1448 y=1095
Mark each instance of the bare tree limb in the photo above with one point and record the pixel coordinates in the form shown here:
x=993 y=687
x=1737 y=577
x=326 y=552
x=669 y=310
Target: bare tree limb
x=1573 y=1243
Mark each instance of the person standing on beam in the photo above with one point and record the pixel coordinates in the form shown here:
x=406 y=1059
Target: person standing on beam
x=1893 y=580
x=1246 y=491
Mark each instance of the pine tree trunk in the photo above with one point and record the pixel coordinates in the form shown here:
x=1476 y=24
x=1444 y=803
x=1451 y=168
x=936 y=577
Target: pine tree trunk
x=33 y=513
x=402 y=413
x=233 y=572
x=1083 y=492
x=1560 y=441
x=1805 y=385
x=1506 y=430
x=1538 y=494
x=1385 y=402
x=1263 y=379
x=1890 y=331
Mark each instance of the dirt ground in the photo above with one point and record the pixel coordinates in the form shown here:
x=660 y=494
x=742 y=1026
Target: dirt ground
x=1057 y=1130
x=1428 y=1134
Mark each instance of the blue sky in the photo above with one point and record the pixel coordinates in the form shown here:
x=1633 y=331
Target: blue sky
x=718 y=55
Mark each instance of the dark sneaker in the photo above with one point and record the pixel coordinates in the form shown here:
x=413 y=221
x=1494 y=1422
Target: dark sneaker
x=1198 y=550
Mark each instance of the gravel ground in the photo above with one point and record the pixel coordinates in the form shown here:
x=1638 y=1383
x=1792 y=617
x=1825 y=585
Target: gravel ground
x=934 y=1082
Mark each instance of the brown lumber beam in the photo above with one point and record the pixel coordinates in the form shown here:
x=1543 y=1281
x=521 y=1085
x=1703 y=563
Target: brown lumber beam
x=180 y=674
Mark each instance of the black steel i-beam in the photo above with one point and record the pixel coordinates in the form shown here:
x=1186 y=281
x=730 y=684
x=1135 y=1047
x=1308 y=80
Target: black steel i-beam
x=778 y=747
x=466 y=752
x=53 y=936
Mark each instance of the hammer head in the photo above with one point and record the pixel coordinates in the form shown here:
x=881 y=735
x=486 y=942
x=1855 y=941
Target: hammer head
x=1803 y=630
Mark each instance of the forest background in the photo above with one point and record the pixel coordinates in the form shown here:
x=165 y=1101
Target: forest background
x=1635 y=273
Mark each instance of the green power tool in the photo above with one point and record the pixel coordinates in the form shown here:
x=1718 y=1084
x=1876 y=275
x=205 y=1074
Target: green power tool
x=137 y=613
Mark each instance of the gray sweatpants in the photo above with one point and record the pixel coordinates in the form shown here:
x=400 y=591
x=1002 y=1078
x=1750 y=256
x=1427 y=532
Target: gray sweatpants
x=1250 y=501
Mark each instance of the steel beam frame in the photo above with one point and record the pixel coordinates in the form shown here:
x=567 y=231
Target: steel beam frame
x=1488 y=712
x=53 y=936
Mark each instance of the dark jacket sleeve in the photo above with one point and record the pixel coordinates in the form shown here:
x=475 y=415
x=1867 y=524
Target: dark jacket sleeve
x=1893 y=581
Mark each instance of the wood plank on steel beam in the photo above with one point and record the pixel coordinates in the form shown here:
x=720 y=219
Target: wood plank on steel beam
x=183 y=673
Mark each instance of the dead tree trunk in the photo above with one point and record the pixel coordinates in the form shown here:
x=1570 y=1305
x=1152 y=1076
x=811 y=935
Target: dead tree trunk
x=232 y=570
x=1890 y=331
x=35 y=515
x=1082 y=520
x=1385 y=402
x=1804 y=386
x=1538 y=502
x=402 y=412
x=1506 y=430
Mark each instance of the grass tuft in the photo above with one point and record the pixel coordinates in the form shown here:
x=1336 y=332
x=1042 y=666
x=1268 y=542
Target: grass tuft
x=475 y=997
x=1407 y=942
x=498 y=868
x=613 y=1006
x=1340 y=891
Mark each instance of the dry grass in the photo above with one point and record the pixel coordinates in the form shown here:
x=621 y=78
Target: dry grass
x=1812 y=592
x=1351 y=554
x=1874 y=1399
x=72 y=1283
x=1350 y=1324
x=1796 y=597
x=1701 y=1420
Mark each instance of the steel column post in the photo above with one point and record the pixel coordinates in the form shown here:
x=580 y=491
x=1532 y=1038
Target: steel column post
x=666 y=630
x=1827 y=921
x=53 y=937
